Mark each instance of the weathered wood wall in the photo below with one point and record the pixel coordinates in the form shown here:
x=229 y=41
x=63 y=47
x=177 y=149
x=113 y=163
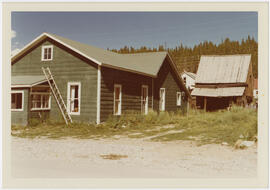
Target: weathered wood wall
x=168 y=80
x=131 y=90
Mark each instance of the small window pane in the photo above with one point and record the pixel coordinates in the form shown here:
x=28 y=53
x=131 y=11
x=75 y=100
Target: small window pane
x=39 y=101
x=74 y=99
x=116 y=107
x=19 y=101
x=45 y=53
x=16 y=101
x=76 y=106
x=49 y=53
x=117 y=93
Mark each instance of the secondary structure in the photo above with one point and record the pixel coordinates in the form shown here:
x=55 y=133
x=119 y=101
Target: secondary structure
x=54 y=77
x=189 y=79
x=223 y=80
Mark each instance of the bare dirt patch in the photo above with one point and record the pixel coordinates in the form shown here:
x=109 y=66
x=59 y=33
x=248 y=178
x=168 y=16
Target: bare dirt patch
x=79 y=158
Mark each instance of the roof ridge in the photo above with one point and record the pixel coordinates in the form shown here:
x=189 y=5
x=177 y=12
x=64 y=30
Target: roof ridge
x=226 y=55
x=81 y=43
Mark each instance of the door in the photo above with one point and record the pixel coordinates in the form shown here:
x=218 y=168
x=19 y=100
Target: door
x=162 y=99
x=144 y=99
x=117 y=99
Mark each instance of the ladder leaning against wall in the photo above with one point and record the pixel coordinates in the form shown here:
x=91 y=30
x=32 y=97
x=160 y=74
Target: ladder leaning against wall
x=57 y=95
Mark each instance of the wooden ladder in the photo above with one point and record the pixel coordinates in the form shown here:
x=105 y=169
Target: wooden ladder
x=57 y=95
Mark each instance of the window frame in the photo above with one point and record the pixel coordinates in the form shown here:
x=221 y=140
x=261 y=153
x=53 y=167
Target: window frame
x=147 y=99
x=160 y=106
x=120 y=98
x=42 y=52
x=79 y=97
x=41 y=93
x=178 y=101
x=18 y=92
x=185 y=80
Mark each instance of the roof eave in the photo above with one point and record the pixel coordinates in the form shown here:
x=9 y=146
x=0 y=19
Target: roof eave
x=128 y=70
x=28 y=85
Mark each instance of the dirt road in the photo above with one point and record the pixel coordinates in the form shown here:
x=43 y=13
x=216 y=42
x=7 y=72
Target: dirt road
x=76 y=158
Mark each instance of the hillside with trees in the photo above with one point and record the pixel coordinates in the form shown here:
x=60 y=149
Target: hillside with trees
x=187 y=58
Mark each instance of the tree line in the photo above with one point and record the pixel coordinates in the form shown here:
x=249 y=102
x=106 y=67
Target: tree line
x=187 y=58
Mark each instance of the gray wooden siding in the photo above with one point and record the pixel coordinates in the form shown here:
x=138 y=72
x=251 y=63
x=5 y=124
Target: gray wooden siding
x=167 y=79
x=66 y=66
x=21 y=117
x=131 y=90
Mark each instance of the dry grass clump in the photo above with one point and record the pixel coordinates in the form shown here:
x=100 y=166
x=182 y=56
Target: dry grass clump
x=113 y=156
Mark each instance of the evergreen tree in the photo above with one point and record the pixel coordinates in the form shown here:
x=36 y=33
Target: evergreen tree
x=188 y=59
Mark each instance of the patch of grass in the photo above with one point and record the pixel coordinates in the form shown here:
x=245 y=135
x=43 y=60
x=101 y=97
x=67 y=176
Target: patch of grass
x=216 y=127
x=203 y=127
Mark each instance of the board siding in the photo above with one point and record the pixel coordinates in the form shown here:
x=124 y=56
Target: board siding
x=21 y=117
x=131 y=91
x=167 y=79
x=66 y=66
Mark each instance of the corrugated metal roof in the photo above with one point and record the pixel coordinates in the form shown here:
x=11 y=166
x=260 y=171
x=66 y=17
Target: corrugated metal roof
x=223 y=69
x=147 y=63
x=27 y=81
x=218 y=92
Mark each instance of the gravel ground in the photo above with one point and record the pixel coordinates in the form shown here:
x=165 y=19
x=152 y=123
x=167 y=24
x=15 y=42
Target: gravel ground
x=77 y=158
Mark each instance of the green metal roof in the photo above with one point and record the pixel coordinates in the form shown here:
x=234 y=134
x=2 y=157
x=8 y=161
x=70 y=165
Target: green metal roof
x=141 y=63
x=146 y=63
x=27 y=81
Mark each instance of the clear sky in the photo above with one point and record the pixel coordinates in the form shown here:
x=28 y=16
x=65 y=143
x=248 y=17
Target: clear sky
x=117 y=29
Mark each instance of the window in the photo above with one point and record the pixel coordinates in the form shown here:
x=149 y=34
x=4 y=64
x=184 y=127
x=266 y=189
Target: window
x=178 y=98
x=117 y=99
x=16 y=100
x=40 y=98
x=144 y=99
x=162 y=99
x=47 y=53
x=185 y=80
x=74 y=96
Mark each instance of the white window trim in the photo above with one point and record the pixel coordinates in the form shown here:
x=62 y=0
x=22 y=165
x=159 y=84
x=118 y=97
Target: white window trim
x=147 y=99
x=42 y=93
x=42 y=53
x=68 y=97
x=120 y=110
x=98 y=93
x=164 y=99
x=178 y=102
x=16 y=92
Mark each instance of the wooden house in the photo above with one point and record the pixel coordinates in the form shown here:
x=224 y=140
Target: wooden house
x=54 y=77
x=222 y=81
x=189 y=79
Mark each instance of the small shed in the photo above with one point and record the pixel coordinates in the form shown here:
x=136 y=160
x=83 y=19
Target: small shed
x=222 y=81
x=189 y=79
